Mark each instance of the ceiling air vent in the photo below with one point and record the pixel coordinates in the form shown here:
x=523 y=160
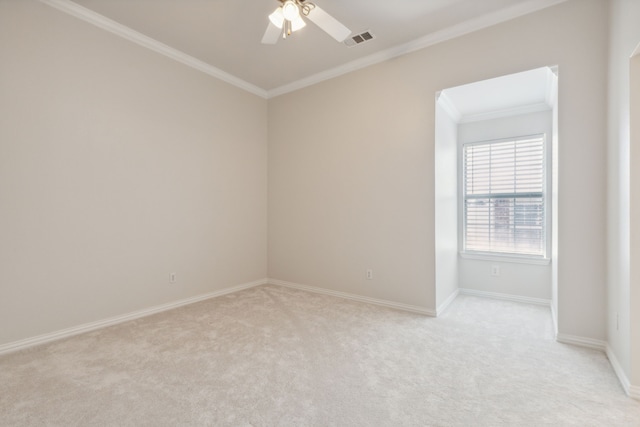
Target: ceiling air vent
x=359 y=39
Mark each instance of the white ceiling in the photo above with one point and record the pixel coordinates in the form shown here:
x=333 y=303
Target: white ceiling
x=226 y=34
x=519 y=93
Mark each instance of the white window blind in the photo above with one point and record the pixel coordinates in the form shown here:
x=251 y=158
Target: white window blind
x=504 y=196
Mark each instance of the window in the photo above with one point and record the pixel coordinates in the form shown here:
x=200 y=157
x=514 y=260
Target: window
x=504 y=200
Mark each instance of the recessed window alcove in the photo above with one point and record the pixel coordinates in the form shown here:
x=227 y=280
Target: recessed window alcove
x=515 y=107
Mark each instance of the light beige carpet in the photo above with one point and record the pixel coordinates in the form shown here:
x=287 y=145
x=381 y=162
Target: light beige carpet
x=273 y=356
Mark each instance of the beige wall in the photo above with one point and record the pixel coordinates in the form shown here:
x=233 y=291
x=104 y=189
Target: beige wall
x=118 y=166
x=348 y=186
x=351 y=164
x=634 y=297
x=624 y=37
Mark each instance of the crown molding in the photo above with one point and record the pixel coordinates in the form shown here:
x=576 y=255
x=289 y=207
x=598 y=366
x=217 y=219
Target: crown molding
x=551 y=93
x=74 y=9
x=452 y=32
x=469 y=26
x=508 y=112
x=446 y=103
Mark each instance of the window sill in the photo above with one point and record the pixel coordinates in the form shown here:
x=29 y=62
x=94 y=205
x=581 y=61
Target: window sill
x=505 y=258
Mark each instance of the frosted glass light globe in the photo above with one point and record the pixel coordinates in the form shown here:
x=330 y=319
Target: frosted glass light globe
x=297 y=23
x=276 y=18
x=290 y=10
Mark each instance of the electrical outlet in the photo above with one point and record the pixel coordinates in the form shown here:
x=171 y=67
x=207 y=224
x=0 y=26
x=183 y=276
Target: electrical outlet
x=172 y=278
x=369 y=274
x=495 y=270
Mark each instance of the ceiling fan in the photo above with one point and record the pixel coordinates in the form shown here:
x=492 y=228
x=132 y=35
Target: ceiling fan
x=288 y=17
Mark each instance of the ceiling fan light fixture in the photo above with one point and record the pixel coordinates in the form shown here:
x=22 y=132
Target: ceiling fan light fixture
x=297 y=23
x=290 y=10
x=277 y=18
x=290 y=16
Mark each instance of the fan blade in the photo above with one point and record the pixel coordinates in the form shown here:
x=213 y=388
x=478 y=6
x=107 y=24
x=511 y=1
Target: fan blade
x=272 y=34
x=328 y=24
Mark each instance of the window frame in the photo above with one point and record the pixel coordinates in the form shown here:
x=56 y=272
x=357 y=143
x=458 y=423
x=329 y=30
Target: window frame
x=546 y=195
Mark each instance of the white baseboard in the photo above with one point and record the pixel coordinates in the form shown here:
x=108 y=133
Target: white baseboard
x=443 y=307
x=353 y=297
x=617 y=368
x=92 y=326
x=554 y=318
x=506 y=297
x=581 y=341
x=631 y=390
